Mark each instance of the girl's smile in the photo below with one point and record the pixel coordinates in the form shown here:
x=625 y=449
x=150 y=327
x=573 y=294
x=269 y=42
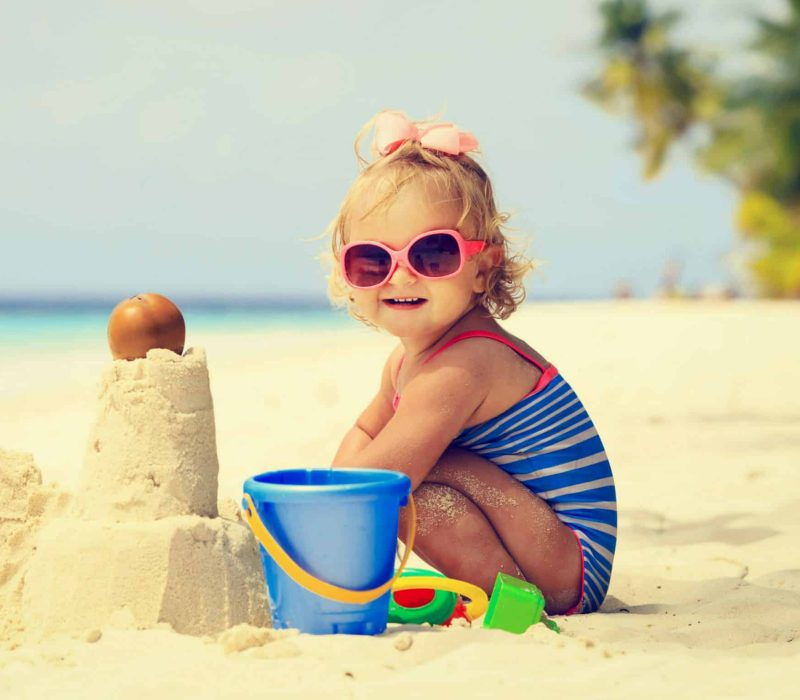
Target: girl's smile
x=404 y=303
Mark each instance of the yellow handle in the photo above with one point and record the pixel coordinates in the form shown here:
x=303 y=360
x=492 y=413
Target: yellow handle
x=479 y=601
x=322 y=588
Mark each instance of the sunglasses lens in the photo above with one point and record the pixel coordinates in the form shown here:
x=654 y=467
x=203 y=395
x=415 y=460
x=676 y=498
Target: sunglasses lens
x=436 y=255
x=366 y=265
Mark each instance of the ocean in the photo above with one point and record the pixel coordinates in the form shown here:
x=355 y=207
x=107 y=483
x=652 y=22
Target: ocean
x=39 y=323
x=26 y=322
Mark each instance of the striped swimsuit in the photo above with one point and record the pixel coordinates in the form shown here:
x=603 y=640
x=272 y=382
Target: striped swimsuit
x=548 y=441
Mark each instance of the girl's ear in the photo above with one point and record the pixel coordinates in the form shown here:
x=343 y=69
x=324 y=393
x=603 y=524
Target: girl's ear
x=489 y=258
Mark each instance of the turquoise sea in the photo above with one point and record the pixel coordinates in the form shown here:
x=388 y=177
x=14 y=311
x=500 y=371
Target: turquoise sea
x=37 y=322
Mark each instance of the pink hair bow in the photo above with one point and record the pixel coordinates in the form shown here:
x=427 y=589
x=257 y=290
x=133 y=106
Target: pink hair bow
x=392 y=129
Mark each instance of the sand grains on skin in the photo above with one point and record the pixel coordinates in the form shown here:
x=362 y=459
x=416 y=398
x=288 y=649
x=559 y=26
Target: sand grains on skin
x=437 y=507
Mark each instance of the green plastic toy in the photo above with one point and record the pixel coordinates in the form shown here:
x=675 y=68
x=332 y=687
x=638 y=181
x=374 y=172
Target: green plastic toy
x=409 y=607
x=515 y=605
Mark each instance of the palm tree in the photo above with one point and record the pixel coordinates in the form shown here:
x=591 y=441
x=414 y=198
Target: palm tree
x=663 y=88
x=753 y=123
x=755 y=144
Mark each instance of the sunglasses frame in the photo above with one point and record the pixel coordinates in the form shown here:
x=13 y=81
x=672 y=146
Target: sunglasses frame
x=467 y=249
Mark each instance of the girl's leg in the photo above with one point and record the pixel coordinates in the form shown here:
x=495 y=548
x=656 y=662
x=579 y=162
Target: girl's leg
x=474 y=520
x=455 y=537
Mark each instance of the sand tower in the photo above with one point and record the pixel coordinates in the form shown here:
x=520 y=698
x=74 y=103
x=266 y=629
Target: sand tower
x=143 y=540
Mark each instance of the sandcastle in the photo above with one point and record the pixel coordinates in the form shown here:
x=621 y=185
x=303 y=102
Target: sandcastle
x=142 y=540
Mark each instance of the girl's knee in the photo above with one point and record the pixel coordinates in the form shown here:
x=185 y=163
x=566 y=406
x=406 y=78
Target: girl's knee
x=436 y=504
x=456 y=538
x=480 y=480
x=439 y=508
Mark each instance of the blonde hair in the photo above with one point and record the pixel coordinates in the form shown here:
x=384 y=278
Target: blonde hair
x=463 y=180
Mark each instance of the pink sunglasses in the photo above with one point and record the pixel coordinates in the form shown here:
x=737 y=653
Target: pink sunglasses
x=437 y=254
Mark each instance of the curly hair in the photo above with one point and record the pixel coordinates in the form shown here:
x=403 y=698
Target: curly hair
x=463 y=180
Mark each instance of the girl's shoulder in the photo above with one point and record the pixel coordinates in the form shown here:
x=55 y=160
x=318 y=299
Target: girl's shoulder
x=493 y=344
x=461 y=359
x=507 y=367
x=478 y=348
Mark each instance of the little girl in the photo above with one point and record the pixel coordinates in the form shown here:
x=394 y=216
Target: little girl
x=508 y=471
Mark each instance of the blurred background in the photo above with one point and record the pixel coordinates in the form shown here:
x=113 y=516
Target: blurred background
x=199 y=149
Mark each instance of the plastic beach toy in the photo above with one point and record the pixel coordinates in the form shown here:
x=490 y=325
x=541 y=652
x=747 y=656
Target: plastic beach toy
x=438 y=583
x=418 y=605
x=515 y=605
x=328 y=540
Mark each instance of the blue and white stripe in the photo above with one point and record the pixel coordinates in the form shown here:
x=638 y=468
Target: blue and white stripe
x=548 y=441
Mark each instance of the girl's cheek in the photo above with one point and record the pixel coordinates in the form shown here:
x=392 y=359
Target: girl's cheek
x=366 y=303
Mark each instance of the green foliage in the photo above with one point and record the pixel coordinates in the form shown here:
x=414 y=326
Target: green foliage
x=753 y=123
x=755 y=142
x=775 y=228
x=665 y=89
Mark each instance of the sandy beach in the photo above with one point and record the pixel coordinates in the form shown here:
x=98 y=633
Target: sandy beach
x=698 y=404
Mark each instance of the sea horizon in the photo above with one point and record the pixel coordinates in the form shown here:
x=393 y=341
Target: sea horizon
x=35 y=319
x=21 y=302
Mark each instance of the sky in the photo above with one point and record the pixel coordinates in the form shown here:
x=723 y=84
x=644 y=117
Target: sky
x=202 y=147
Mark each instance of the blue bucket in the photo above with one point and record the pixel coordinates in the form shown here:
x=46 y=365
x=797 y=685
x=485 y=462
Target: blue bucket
x=339 y=526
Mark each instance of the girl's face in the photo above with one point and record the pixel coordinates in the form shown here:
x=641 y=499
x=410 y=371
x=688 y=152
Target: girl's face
x=416 y=209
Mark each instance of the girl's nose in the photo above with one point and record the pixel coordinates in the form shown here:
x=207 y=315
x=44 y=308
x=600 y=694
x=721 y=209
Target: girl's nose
x=402 y=274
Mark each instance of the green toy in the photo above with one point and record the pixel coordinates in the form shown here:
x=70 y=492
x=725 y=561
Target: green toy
x=416 y=607
x=515 y=605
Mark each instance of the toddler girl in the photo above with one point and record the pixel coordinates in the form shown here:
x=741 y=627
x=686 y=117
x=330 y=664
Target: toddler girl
x=508 y=471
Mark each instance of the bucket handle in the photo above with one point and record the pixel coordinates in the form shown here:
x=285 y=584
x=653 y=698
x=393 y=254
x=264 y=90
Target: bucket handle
x=310 y=582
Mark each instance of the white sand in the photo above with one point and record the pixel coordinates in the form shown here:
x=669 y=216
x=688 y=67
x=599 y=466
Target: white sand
x=699 y=407
x=141 y=542
x=152 y=450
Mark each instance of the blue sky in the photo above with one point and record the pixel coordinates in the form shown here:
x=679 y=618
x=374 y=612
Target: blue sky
x=197 y=148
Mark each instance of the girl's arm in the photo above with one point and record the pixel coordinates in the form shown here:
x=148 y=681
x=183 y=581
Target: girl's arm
x=374 y=417
x=436 y=405
x=353 y=442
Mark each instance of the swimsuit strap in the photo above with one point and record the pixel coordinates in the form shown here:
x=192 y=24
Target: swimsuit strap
x=396 y=397
x=492 y=336
x=546 y=377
